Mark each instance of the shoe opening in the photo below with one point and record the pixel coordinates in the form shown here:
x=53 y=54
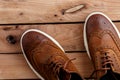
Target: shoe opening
x=110 y=75
x=75 y=76
x=63 y=75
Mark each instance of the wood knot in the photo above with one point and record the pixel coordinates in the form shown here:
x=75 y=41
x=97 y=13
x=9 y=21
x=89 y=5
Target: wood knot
x=11 y=39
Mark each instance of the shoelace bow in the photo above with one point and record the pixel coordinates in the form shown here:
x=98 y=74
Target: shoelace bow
x=56 y=66
x=107 y=63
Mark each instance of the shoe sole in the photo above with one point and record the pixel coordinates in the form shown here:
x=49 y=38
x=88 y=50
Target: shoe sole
x=84 y=32
x=35 y=30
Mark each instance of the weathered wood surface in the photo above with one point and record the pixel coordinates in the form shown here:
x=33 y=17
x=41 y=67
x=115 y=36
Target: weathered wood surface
x=14 y=66
x=70 y=36
x=46 y=11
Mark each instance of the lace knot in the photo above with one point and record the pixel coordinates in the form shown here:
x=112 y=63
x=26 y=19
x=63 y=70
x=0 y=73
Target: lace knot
x=57 y=65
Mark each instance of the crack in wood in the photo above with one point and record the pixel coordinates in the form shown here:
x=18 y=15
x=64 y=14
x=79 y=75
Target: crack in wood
x=10 y=28
x=74 y=9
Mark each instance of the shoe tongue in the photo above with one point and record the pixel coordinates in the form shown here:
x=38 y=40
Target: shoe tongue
x=67 y=69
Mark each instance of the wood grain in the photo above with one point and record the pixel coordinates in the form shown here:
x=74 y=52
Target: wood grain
x=14 y=66
x=70 y=36
x=46 y=11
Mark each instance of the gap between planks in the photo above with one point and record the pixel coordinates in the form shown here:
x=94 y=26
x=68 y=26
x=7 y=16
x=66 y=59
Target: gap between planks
x=70 y=36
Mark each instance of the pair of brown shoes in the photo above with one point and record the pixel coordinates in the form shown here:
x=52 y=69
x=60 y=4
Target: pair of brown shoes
x=47 y=58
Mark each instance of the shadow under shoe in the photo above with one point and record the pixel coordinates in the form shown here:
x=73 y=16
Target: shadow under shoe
x=74 y=76
x=111 y=76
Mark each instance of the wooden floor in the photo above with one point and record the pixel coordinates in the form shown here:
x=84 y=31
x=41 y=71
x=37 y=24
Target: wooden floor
x=62 y=19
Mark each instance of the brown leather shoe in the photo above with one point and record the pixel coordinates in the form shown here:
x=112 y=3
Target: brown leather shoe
x=46 y=57
x=102 y=42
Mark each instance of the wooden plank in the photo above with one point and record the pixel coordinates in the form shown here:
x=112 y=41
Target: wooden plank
x=70 y=36
x=44 y=11
x=14 y=66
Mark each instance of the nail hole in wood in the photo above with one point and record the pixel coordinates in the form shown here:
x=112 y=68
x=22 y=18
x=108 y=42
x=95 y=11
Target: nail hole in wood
x=21 y=13
x=61 y=19
x=16 y=26
x=55 y=15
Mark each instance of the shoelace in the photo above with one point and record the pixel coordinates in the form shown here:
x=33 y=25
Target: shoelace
x=55 y=66
x=107 y=63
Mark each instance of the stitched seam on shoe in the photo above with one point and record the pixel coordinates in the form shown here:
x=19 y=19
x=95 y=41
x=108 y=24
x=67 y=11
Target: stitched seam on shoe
x=100 y=34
